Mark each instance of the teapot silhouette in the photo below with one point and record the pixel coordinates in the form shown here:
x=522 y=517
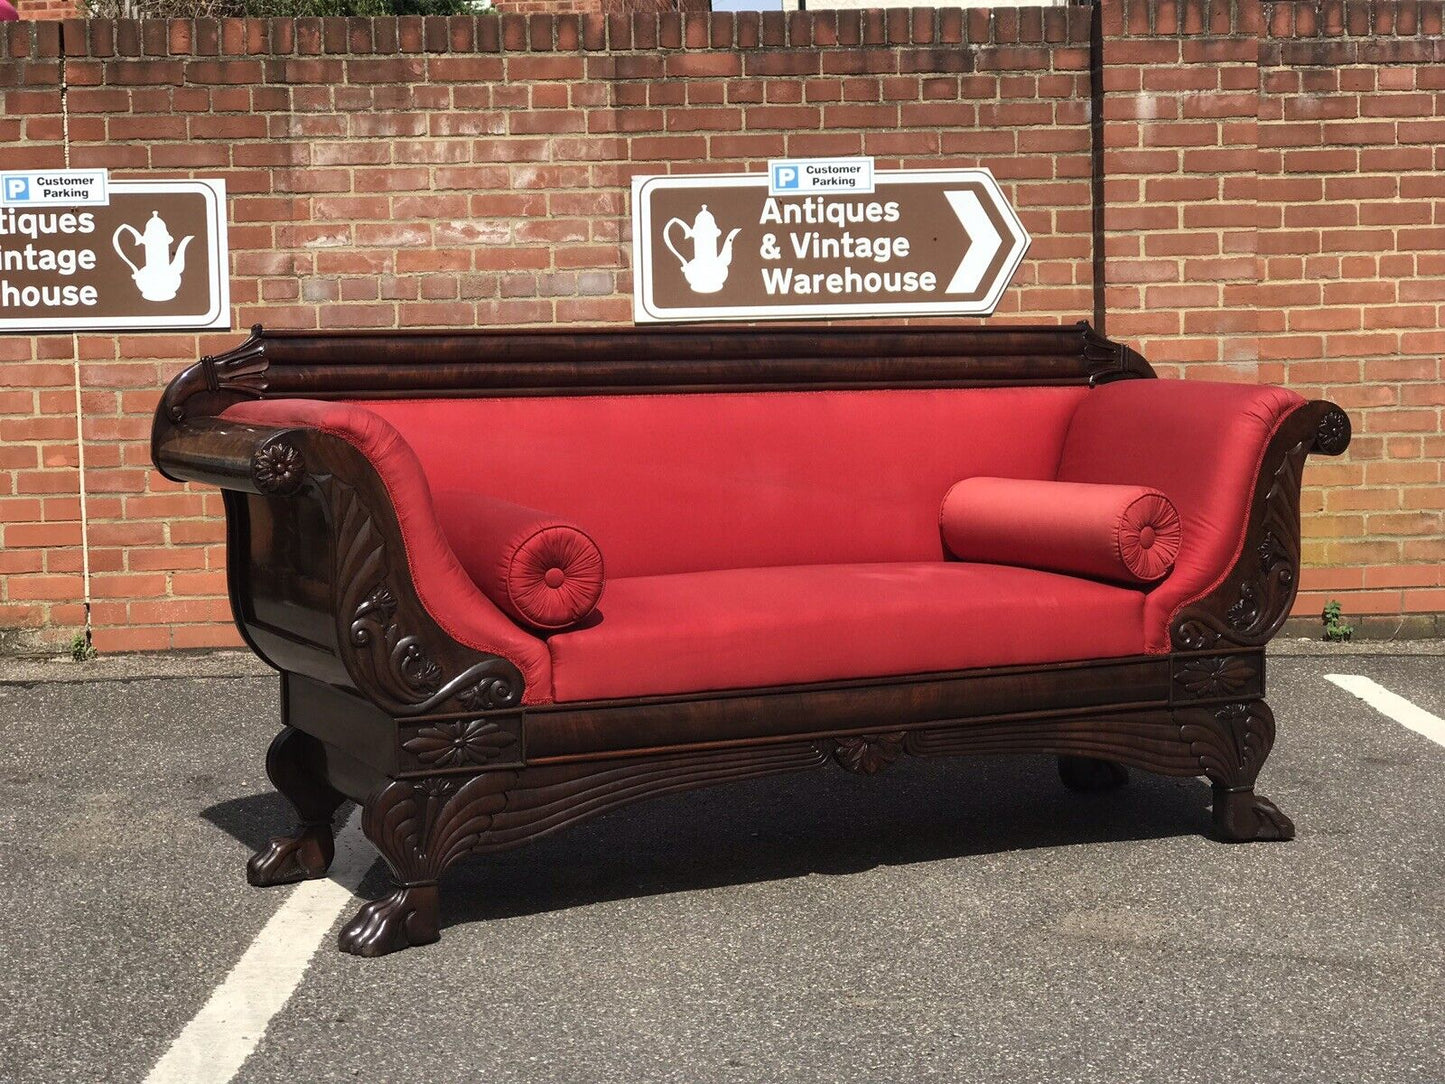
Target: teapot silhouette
x=159 y=278
x=708 y=269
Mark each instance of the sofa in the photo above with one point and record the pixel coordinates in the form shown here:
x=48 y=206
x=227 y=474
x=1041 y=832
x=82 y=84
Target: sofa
x=512 y=580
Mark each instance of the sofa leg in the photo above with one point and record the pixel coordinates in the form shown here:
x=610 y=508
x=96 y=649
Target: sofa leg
x=1231 y=743
x=1242 y=816
x=420 y=827
x=293 y=763
x=409 y=916
x=1088 y=774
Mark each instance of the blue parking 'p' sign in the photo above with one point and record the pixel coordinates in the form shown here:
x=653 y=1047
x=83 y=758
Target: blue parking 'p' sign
x=17 y=189
x=784 y=177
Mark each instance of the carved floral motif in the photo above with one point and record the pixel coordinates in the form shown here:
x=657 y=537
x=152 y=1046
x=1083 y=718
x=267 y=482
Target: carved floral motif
x=389 y=661
x=458 y=744
x=1216 y=675
x=1333 y=435
x=278 y=467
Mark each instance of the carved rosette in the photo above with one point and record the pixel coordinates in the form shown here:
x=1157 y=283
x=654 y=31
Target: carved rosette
x=1205 y=677
x=868 y=754
x=1230 y=742
x=278 y=467
x=461 y=743
x=392 y=662
x=1333 y=435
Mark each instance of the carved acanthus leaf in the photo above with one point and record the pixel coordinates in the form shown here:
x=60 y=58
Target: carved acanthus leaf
x=1107 y=360
x=1263 y=586
x=868 y=754
x=1231 y=742
x=393 y=663
x=240 y=370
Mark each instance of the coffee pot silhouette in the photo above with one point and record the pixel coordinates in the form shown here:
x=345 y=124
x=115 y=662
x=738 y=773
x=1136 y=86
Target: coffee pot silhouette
x=708 y=269
x=159 y=277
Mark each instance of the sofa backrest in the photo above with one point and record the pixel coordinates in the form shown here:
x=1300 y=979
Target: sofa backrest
x=687 y=482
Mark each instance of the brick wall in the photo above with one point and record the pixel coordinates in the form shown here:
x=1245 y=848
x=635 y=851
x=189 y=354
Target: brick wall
x=455 y=173
x=47 y=9
x=1276 y=212
x=459 y=172
x=70 y=9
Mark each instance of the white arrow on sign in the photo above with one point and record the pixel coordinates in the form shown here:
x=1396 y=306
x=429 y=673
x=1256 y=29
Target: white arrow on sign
x=984 y=242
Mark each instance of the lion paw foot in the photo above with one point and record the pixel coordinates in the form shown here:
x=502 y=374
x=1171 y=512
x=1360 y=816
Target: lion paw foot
x=287 y=859
x=405 y=918
x=1243 y=817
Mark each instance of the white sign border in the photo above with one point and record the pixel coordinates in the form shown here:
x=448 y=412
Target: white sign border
x=102 y=174
x=219 y=315
x=645 y=310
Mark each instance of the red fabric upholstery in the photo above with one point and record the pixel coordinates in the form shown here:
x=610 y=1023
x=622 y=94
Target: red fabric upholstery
x=443 y=586
x=757 y=539
x=1200 y=443
x=540 y=570
x=1125 y=533
x=689 y=483
x=737 y=628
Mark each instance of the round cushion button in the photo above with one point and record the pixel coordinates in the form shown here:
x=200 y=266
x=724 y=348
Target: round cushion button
x=554 y=577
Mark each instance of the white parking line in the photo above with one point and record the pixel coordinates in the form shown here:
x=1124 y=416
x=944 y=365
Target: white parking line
x=219 y=1038
x=1395 y=706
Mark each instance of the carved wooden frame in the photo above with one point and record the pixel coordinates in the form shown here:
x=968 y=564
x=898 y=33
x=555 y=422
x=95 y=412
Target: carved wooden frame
x=381 y=706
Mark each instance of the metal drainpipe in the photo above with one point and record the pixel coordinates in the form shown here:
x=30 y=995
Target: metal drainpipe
x=75 y=370
x=1096 y=157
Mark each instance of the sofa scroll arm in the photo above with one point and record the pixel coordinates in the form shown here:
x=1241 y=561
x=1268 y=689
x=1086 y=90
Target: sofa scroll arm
x=260 y=459
x=390 y=645
x=1251 y=603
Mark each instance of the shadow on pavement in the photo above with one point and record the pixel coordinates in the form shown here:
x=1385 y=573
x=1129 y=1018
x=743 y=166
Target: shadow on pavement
x=818 y=823
x=253 y=819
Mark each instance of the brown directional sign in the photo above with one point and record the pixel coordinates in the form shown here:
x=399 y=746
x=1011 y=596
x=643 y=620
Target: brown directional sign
x=923 y=242
x=153 y=257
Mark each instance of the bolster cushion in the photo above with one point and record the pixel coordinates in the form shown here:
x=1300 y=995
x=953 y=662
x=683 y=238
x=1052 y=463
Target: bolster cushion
x=539 y=569
x=1110 y=532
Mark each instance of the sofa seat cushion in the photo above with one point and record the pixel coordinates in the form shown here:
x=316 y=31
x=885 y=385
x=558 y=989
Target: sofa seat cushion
x=753 y=627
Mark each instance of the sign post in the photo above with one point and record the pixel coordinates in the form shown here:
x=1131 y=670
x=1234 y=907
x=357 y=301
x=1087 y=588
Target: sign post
x=79 y=252
x=927 y=242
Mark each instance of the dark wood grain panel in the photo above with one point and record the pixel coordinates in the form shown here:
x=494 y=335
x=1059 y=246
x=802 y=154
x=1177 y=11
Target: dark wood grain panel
x=580 y=730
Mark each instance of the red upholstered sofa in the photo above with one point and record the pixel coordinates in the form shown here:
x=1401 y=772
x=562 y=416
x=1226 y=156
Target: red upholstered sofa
x=514 y=579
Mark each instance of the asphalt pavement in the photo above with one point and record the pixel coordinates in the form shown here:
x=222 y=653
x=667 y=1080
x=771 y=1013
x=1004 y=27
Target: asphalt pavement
x=962 y=920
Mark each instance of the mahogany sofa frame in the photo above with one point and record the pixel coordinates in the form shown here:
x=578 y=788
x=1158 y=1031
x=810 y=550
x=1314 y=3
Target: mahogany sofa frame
x=381 y=706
